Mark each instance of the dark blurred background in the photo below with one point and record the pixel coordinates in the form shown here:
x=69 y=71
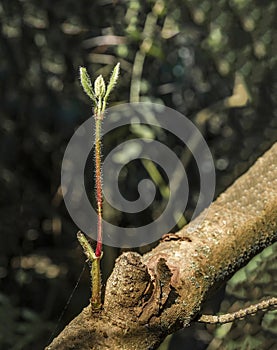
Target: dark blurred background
x=215 y=62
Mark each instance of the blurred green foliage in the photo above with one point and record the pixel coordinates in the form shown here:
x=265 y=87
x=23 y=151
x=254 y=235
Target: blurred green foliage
x=191 y=55
x=20 y=327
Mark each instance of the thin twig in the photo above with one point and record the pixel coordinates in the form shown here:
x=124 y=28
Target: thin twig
x=148 y=35
x=230 y=317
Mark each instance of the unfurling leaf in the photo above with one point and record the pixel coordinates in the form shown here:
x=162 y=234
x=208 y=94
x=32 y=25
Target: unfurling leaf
x=86 y=84
x=99 y=87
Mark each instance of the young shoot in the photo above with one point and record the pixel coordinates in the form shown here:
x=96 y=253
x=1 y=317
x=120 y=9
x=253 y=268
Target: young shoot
x=98 y=94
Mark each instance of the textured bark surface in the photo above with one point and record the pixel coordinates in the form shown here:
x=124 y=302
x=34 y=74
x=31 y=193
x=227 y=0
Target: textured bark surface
x=148 y=297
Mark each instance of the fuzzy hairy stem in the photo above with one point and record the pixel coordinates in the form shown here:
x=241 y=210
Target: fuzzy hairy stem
x=149 y=297
x=98 y=179
x=95 y=272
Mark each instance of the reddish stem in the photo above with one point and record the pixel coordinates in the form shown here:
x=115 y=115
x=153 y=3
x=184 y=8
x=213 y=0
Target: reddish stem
x=98 y=176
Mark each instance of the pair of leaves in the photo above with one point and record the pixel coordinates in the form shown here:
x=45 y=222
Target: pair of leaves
x=100 y=94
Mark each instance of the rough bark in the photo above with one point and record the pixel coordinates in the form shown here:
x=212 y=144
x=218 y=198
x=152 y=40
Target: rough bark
x=148 y=297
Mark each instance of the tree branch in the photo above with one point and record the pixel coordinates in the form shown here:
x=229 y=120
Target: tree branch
x=149 y=297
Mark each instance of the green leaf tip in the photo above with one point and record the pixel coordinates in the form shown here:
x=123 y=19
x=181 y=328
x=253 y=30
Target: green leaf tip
x=113 y=80
x=86 y=83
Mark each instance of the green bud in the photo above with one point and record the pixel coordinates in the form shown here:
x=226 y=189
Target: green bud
x=86 y=246
x=99 y=87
